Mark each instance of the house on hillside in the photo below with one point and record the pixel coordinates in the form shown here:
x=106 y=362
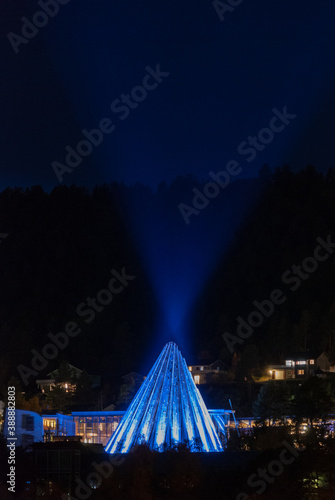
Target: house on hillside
x=296 y=366
x=74 y=373
x=203 y=373
x=325 y=363
x=301 y=366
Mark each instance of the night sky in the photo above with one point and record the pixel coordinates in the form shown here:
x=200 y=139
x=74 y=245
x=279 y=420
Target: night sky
x=224 y=79
x=176 y=90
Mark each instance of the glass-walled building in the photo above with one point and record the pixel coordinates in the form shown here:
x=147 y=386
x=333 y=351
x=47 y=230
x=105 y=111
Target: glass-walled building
x=58 y=425
x=96 y=426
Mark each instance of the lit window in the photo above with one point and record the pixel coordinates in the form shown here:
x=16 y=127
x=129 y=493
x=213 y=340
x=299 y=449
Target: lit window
x=190 y=368
x=301 y=362
x=114 y=425
x=201 y=368
x=289 y=362
x=197 y=379
x=301 y=372
x=311 y=361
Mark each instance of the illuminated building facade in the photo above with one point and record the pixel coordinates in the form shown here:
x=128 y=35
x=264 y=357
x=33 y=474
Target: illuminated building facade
x=58 y=425
x=97 y=426
x=203 y=374
x=167 y=409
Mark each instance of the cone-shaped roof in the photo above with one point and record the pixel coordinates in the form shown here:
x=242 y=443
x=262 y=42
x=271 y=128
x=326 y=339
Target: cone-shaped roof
x=167 y=409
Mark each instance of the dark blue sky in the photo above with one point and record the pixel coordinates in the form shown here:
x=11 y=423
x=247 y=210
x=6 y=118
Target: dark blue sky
x=225 y=79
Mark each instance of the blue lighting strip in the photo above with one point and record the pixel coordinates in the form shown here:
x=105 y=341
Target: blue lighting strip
x=167 y=409
x=220 y=422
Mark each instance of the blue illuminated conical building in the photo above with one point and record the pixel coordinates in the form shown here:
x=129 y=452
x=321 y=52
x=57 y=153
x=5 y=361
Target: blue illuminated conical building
x=167 y=409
